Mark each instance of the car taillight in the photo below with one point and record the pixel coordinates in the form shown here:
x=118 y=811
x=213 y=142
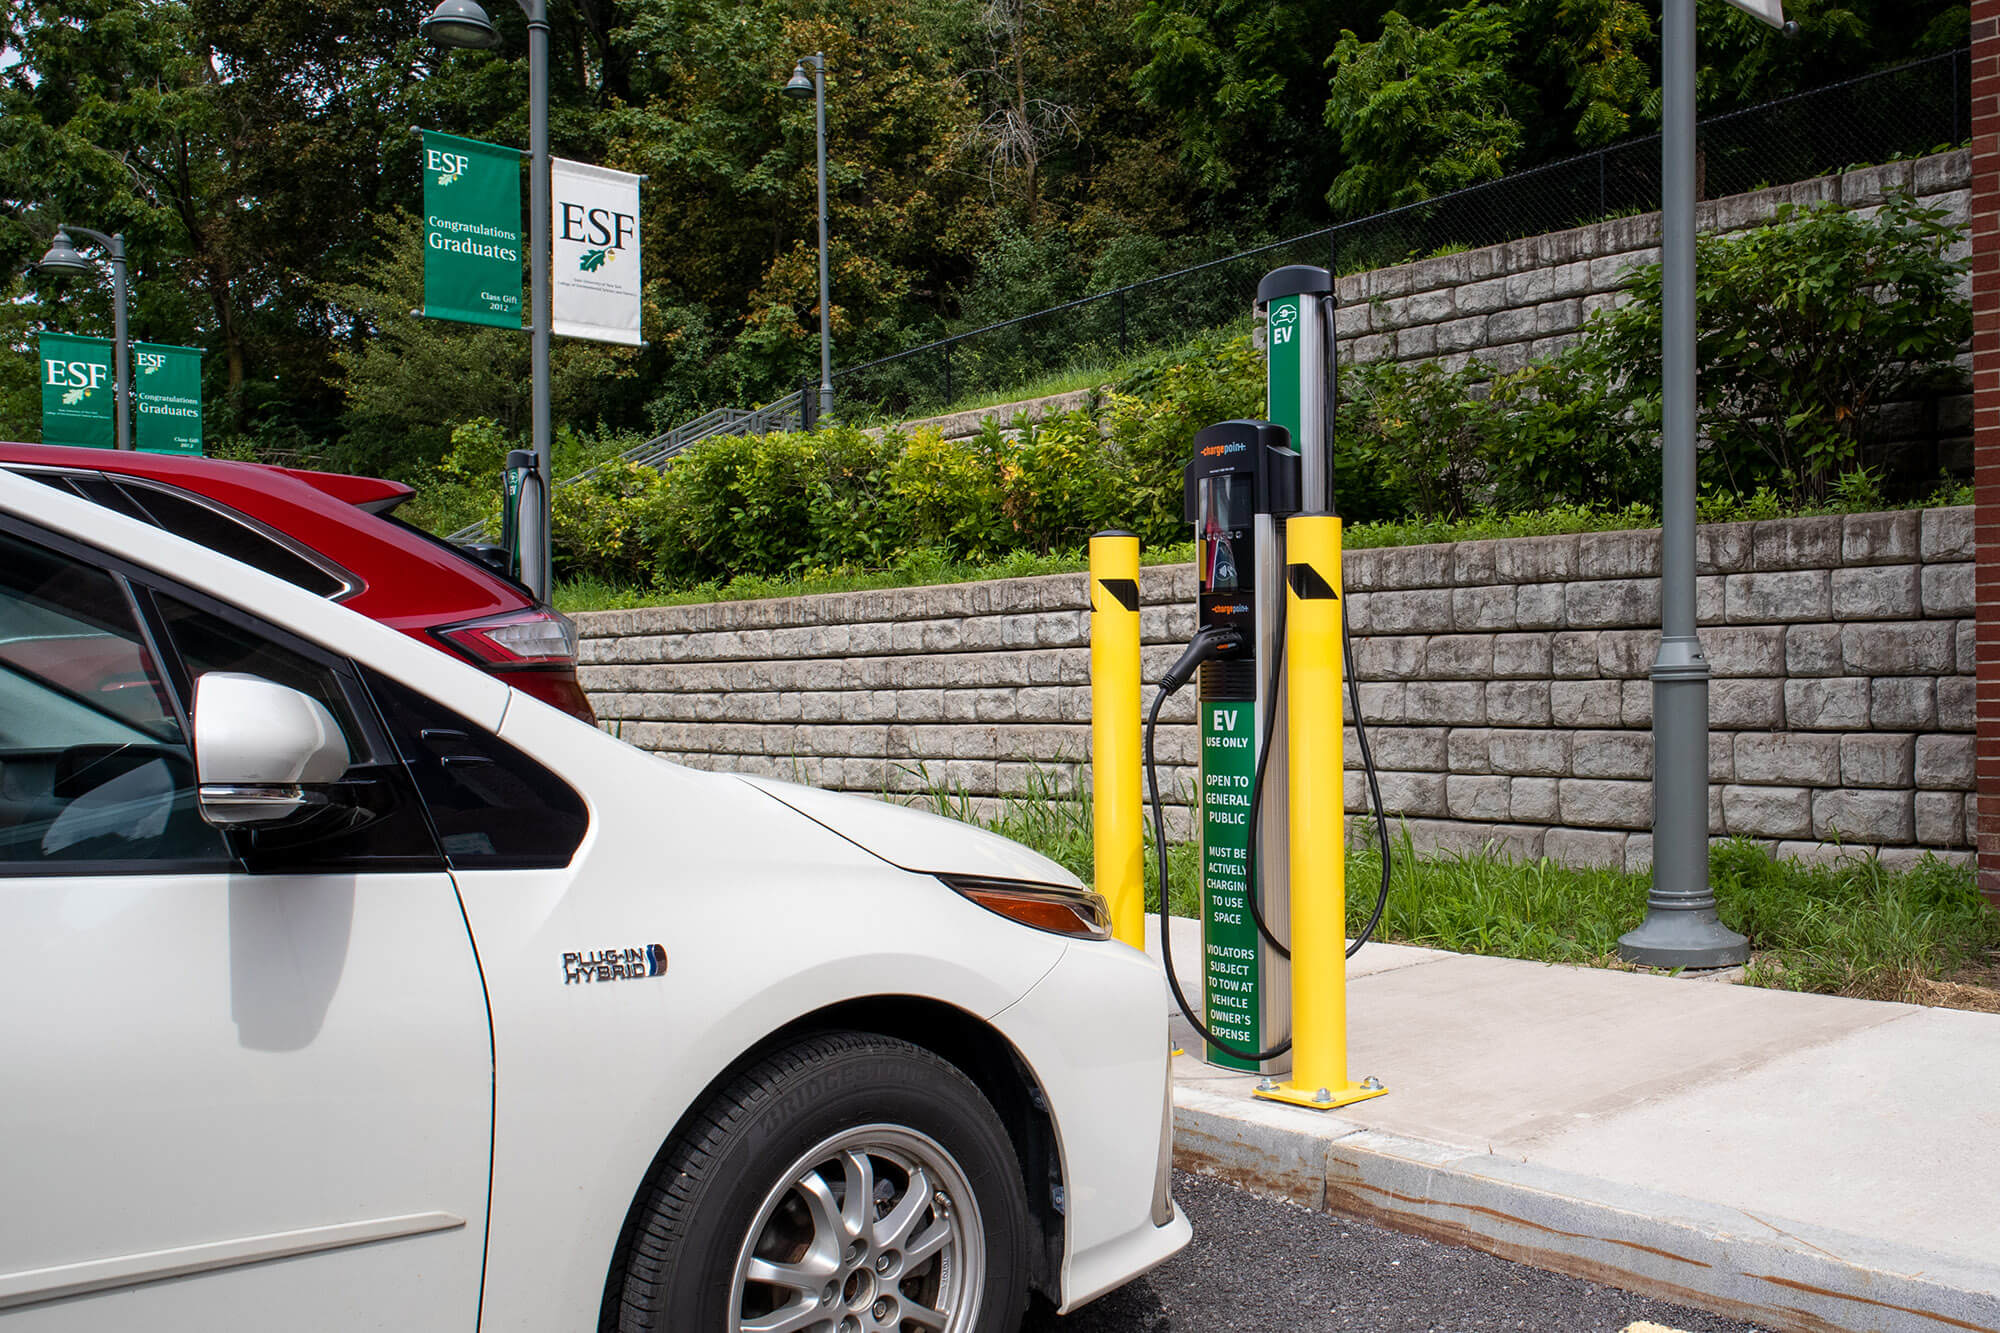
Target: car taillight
x=537 y=638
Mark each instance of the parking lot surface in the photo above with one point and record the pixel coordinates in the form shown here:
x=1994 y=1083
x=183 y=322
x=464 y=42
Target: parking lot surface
x=1256 y=1263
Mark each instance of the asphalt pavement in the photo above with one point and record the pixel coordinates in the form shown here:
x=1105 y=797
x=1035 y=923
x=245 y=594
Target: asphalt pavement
x=1259 y=1263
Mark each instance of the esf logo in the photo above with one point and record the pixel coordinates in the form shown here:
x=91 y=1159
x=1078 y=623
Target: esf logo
x=1218 y=450
x=150 y=362
x=448 y=166
x=75 y=374
x=597 y=226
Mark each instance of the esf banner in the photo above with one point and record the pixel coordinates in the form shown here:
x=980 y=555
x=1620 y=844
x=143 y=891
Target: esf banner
x=79 y=400
x=166 y=388
x=595 y=260
x=472 y=231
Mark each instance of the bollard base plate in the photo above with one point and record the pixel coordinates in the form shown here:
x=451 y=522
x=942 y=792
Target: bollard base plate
x=1318 y=1098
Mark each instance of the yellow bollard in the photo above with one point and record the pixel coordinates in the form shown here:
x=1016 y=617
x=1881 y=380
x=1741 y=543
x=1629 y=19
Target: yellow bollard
x=1114 y=731
x=1319 y=870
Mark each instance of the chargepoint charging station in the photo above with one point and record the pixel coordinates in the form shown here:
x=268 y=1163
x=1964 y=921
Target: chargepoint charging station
x=1271 y=657
x=521 y=509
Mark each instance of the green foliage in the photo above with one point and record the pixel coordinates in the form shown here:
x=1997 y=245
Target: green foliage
x=1423 y=111
x=1155 y=412
x=1803 y=326
x=1426 y=434
x=1853 y=928
x=1564 y=434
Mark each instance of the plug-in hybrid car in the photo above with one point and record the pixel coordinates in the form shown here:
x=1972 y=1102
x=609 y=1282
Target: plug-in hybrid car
x=349 y=988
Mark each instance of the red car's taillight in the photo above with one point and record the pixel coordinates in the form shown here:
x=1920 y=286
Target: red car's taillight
x=534 y=651
x=537 y=638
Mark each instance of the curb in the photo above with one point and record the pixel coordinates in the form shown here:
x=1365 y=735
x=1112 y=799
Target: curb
x=1769 y=1271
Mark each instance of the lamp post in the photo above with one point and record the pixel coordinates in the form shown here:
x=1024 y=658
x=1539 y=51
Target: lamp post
x=1681 y=928
x=63 y=258
x=462 y=23
x=802 y=87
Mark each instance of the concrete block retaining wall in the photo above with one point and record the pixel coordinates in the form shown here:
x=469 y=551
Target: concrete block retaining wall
x=1504 y=684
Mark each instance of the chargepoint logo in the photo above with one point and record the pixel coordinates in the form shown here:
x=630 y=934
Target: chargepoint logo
x=1218 y=450
x=585 y=966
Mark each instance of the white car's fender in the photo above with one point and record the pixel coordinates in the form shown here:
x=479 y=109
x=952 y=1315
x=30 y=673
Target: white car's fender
x=763 y=916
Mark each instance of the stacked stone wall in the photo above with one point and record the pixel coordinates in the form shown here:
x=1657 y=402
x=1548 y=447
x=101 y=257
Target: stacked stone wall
x=1504 y=686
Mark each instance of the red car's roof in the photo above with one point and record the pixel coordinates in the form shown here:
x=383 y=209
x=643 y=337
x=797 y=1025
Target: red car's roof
x=408 y=580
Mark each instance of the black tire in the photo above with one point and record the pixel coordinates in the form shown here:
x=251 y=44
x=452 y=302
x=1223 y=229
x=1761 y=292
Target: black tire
x=724 y=1170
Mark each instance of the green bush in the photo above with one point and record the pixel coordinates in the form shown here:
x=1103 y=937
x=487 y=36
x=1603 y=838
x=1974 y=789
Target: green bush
x=1804 y=327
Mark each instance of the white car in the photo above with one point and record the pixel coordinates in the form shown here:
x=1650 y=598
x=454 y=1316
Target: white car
x=347 y=988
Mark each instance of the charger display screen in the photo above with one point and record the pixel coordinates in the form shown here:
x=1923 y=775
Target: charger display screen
x=1227 y=504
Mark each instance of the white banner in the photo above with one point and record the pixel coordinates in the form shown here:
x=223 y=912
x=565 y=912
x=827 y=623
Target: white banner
x=595 y=260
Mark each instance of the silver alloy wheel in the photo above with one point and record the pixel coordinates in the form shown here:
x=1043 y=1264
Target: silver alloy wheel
x=874 y=1230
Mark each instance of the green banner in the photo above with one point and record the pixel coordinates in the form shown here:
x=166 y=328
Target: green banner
x=166 y=387
x=472 y=231
x=79 y=404
x=1229 y=933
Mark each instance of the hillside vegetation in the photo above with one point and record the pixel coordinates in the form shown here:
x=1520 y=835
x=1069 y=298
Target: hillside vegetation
x=986 y=158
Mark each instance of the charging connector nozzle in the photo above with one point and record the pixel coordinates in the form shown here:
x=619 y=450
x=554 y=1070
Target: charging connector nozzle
x=1211 y=641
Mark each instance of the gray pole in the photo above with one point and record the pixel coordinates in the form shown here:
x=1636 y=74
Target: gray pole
x=121 y=347
x=536 y=568
x=1681 y=928
x=825 y=309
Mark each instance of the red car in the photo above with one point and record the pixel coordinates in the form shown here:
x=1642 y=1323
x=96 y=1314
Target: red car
x=332 y=534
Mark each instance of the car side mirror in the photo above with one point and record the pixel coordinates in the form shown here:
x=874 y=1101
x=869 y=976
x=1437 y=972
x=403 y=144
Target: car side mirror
x=258 y=748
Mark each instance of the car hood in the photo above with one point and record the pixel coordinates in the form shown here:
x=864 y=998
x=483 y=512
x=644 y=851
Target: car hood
x=915 y=839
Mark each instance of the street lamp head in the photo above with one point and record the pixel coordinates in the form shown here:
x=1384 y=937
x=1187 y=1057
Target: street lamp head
x=461 y=23
x=801 y=85
x=62 y=257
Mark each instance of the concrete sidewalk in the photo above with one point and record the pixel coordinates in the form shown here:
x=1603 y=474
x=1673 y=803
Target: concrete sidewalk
x=1798 y=1161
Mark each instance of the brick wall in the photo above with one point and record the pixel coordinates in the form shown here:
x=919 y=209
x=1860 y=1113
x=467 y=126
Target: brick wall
x=1985 y=213
x=1504 y=683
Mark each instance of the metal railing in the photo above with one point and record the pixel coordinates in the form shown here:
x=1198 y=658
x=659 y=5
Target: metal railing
x=784 y=414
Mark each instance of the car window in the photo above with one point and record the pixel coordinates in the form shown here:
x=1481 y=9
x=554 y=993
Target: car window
x=493 y=807
x=95 y=769
x=219 y=531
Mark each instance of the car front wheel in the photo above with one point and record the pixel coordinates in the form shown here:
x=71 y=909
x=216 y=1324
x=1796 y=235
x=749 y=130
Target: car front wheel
x=848 y=1184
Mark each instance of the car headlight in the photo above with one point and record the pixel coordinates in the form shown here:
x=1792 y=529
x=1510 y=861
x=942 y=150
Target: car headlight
x=1056 y=908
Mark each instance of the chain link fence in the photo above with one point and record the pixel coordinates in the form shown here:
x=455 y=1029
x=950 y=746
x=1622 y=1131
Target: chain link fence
x=1907 y=111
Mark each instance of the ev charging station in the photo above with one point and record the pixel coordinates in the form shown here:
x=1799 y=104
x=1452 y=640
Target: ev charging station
x=521 y=509
x=1268 y=653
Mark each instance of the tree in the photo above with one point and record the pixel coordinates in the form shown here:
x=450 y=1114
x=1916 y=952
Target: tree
x=1421 y=111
